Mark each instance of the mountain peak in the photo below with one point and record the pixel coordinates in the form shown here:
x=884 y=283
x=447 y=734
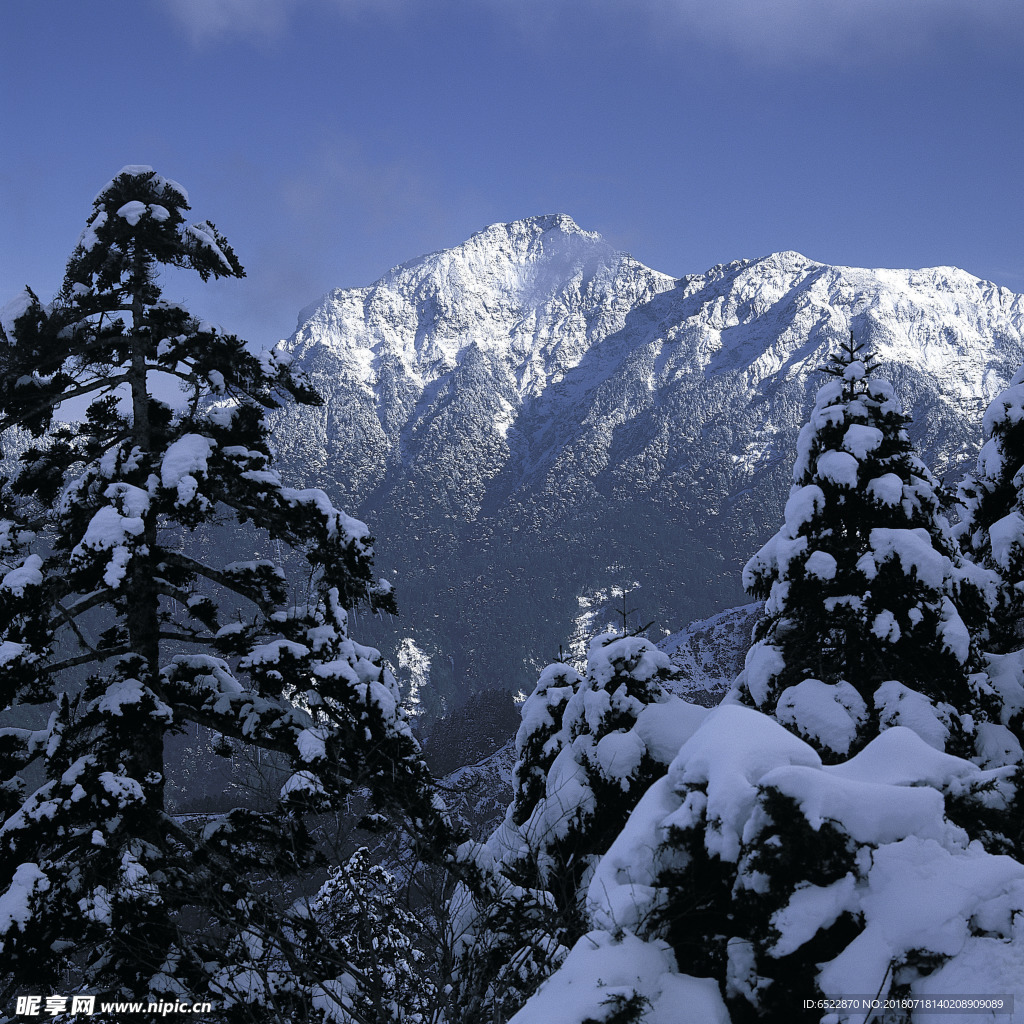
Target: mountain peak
x=541 y=224
x=528 y=412
x=553 y=237
x=786 y=260
x=510 y=286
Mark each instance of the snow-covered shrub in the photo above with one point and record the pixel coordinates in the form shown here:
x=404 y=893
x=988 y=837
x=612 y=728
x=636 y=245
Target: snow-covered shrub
x=864 y=588
x=781 y=878
x=608 y=979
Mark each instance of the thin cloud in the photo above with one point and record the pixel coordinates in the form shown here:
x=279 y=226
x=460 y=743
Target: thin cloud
x=210 y=20
x=777 y=31
x=205 y=20
x=780 y=32
x=767 y=31
x=340 y=218
x=342 y=180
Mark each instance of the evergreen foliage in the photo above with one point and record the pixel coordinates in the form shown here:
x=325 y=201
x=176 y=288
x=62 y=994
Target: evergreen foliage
x=508 y=933
x=991 y=534
x=582 y=764
x=366 y=931
x=541 y=737
x=991 y=528
x=865 y=597
x=109 y=618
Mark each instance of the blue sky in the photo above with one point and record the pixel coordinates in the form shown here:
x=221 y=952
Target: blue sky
x=332 y=139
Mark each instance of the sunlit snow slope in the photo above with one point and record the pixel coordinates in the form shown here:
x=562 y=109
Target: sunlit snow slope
x=532 y=417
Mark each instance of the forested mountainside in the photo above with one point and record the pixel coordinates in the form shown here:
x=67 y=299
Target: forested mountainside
x=708 y=655
x=533 y=421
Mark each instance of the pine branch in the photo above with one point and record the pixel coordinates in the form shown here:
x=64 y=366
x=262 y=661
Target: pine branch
x=104 y=654
x=41 y=408
x=184 y=562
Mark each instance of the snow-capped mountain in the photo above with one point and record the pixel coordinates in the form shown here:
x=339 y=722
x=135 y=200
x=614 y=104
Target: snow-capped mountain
x=532 y=418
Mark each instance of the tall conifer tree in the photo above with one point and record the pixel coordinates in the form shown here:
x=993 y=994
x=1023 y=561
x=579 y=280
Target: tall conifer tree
x=111 y=615
x=991 y=529
x=991 y=533
x=862 y=626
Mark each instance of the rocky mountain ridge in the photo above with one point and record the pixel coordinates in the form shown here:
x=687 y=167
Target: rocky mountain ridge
x=531 y=419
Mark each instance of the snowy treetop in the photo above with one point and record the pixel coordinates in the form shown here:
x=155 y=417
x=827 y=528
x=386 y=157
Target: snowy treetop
x=915 y=890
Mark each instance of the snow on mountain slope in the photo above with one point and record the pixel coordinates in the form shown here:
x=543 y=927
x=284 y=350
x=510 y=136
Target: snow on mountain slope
x=531 y=417
x=479 y=794
x=710 y=652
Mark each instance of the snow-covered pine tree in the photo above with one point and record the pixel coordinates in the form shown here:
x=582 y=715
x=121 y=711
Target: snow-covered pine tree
x=365 y=929
x=583 y=763
x=784 y=880
x=506 y=933
x=540 y=737
x=991 y=533
x=862 y=626
x=991 y=527
x=112 y=616
x=604 y=766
